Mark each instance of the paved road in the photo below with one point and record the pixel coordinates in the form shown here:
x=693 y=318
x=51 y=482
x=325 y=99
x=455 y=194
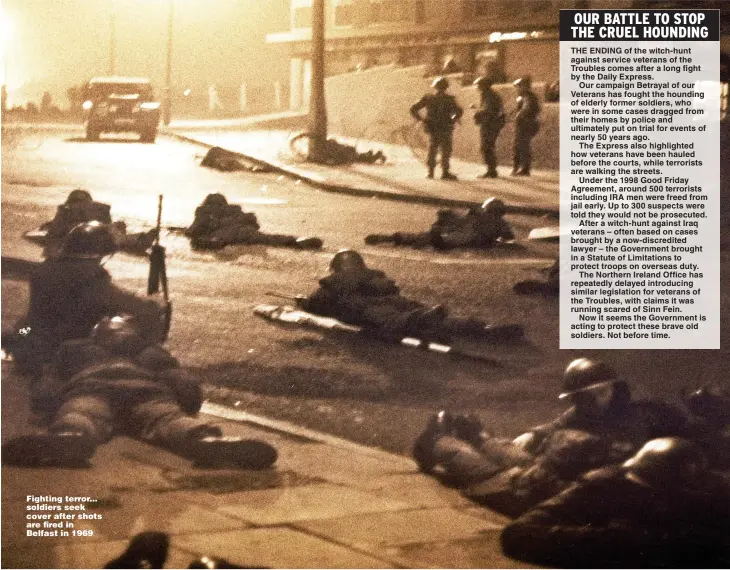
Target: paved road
x=368 y=392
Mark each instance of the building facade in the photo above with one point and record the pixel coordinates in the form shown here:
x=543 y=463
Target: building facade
x=507 y=38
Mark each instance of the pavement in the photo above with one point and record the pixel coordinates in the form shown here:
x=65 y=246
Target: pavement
x=327 y=503
x=401 y=178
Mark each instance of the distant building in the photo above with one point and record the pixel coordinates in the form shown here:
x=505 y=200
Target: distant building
x=509 y=38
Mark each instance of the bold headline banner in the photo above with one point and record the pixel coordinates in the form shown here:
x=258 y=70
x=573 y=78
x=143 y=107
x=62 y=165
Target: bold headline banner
x=640 y=25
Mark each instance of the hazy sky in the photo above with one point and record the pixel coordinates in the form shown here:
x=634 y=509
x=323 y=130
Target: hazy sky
x=57 y=43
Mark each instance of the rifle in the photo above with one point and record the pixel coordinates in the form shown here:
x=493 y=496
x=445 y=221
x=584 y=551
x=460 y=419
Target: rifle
x=158 y=271
x=301 y=317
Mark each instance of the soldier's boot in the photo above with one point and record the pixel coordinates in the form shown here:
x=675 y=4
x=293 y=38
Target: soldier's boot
x=308 y=243
x=448 y=176
x=430 y=172
x=470 y=429
x=145 y=550
x=230 y=451
x=54 y=449
x=439 y=425
x=432 y=318
x=503 y=333
x=375 y=239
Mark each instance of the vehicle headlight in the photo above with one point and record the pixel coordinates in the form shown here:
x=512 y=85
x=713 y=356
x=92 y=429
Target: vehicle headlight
x=87 y=105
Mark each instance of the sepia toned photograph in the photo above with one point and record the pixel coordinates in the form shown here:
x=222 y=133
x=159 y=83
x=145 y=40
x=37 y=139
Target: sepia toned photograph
x=281 y=284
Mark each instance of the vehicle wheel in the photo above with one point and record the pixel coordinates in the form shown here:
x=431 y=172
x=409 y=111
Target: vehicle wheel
x=92 y=134
x=148 y=136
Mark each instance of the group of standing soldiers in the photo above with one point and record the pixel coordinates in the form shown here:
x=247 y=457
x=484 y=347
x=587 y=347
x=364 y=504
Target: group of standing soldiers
x=443 y=112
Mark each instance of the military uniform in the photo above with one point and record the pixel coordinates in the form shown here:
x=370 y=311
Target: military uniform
x=69 y=295
x=218 y=224
x=617 y=518
x=79 y=208
x=550 y=287
x=442 y=113
x=366 y=297
x=115 y=382
x=490 y=118
x=476 y=228
x=512 y=476
x=526 y=126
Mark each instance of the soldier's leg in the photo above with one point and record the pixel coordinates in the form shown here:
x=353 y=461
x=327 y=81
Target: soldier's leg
x=466 y=326
x=517 y=151
x=82 y=423
x=159 y=420
x=280 y=240
x=433 y=147
x=527 y=155
x=446 y=149
x=90 y=414
x=491 y=156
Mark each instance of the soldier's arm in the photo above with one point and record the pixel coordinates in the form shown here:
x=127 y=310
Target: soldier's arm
x=58 y=227
x=506 y=232
x=416 y=109
x=569 y=526
x=457 y=112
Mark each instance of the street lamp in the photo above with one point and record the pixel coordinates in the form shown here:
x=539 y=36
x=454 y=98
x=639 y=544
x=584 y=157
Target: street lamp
x=167 y=97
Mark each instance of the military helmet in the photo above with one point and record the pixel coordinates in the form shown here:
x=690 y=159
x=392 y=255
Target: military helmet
x=483 y=82
x=585 y=374
x=347 y=259
x=78 y=195
x=495 y=206
x=119 y=333
x=440 y=84
x=216 y=199
x=89 y=240
x=667 y=459
x=526 y=81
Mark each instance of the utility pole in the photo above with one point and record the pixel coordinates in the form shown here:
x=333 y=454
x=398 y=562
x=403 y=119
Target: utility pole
x=167 y=100
x=317 y=106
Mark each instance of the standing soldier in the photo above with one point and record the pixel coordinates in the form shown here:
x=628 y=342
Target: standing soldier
x=526 y=126
x=490 y=118
x=442 y=113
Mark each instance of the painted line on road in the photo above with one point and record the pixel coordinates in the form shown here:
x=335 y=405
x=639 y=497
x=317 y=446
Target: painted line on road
x=288 y=428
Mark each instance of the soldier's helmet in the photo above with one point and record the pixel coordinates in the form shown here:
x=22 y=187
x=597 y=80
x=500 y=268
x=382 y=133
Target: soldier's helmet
x=77 y=196
x=347 y=260
x=483 y=82
x=525 y=81
x=494 y=206
x=440 y=84
x=215 y=200
x=667 y=460
x=585 y=374
x=90 y=240
x=120 y=334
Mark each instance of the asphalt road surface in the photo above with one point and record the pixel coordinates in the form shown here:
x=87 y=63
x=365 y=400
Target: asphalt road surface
x=349 y=386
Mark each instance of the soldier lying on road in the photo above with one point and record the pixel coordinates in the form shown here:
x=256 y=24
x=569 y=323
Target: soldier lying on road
x=479 y=227
x=660 y=509
x=80 y=208
x=603 y=426
x=549 y=288
x=70 y=293
x=218 y=224
x=358 y=295
x=116 y=382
